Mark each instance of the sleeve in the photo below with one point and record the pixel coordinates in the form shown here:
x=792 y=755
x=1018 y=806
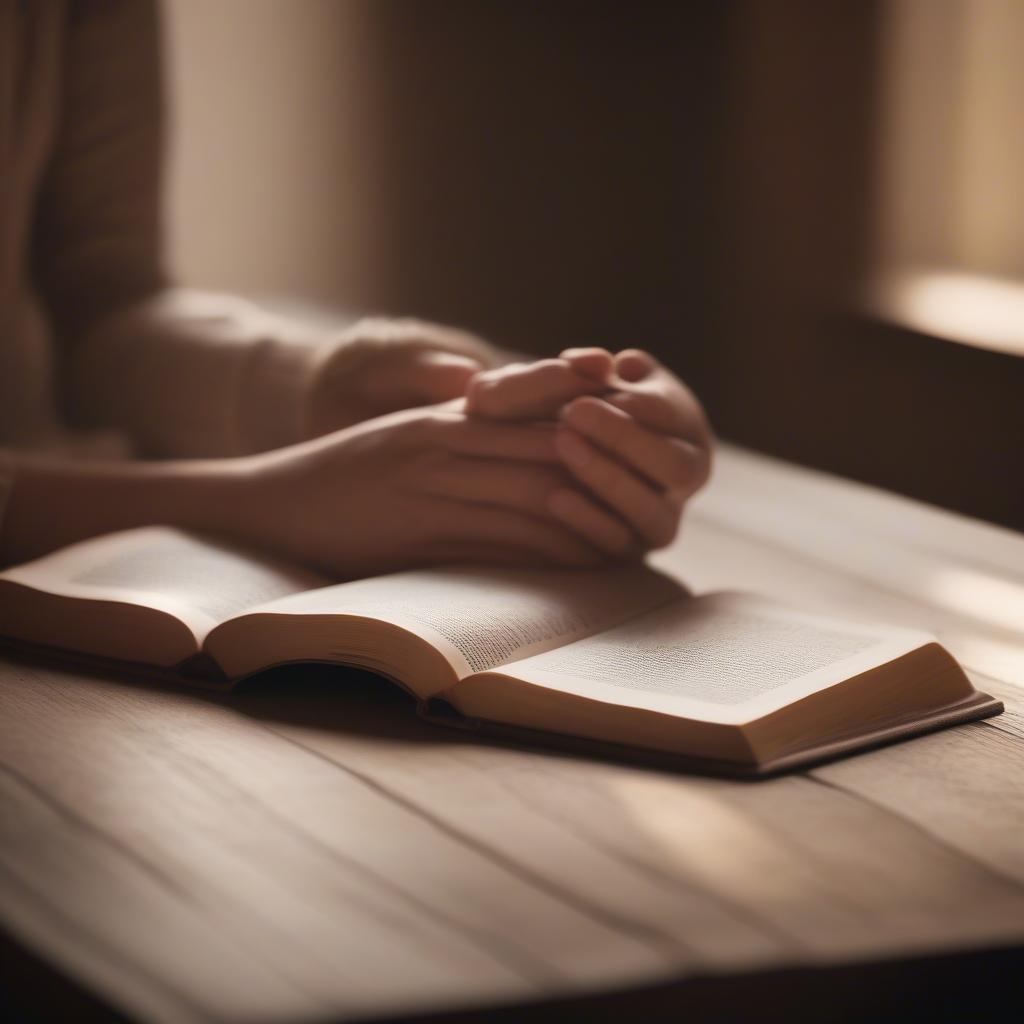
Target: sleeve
x=184 y=373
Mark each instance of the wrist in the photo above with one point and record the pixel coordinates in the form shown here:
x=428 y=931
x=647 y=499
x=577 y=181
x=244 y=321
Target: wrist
x=207 y=496
x=252 y=500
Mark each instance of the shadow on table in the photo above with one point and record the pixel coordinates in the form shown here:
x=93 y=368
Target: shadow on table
x=334 y=699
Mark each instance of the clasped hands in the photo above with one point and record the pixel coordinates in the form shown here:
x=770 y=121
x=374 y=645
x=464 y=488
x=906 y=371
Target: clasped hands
x=632 y=442
x=576 y=461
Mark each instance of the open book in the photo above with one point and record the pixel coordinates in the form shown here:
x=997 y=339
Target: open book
x=616 y=661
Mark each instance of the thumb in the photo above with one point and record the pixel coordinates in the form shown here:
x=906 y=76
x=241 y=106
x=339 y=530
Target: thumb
x=597 y=363
x=633 y=364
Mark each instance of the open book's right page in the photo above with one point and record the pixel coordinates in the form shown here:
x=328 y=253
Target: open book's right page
x=726 y=657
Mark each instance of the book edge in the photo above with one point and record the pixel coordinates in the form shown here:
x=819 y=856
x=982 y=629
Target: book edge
x=196 y=672
x=979 y=706
x=439 y=712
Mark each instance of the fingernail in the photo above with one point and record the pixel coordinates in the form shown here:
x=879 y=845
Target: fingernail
x=573 y=448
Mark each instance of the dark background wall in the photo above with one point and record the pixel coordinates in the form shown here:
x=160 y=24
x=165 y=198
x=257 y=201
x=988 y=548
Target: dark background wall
x=555 y=167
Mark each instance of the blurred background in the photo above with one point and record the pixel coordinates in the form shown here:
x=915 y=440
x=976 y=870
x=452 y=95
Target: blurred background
x=811 y=210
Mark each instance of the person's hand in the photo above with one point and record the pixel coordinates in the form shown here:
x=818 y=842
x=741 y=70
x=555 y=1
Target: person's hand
x=630 y=432
x=420 y=487
x=381 y=365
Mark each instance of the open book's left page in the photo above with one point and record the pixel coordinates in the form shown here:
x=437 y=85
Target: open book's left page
x=148 y=595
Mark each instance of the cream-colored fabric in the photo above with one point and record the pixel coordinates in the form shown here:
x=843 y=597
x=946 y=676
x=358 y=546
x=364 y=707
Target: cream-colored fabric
x=93 y=340
x=194 y=374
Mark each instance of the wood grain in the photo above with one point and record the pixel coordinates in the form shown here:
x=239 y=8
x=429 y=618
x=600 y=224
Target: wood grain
x=306 y=849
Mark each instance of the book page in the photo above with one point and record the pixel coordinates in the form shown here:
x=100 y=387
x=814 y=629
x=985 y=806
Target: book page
x=722 y=657
x=199 y=581
x=480 y=618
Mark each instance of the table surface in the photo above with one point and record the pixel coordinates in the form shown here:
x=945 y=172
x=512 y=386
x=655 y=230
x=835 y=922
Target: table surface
x=306 y=850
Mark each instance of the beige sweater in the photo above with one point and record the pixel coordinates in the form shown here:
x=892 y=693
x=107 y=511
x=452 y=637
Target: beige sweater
x=96 y=351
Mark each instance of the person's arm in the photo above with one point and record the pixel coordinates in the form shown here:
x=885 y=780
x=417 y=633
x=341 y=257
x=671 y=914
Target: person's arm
x=188 y=373
x=54 y=502
x=421 y=487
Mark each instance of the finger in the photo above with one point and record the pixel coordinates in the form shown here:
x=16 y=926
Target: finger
x=671 y=409
x=591 y=521
x=666 y=461
x=535 y=491
x=597 y=363
x=536 y=390
x=634 y=364
x=657 y=398
x=480 y=438
x=652 y=516
x=513 y=535
x=507 y=484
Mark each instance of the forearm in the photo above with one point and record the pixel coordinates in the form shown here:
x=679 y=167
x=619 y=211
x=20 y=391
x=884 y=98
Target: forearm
x=53 y=503
x=192 y=374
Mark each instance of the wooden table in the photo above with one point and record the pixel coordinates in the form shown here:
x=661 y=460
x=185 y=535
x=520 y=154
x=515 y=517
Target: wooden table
x=305 y=850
